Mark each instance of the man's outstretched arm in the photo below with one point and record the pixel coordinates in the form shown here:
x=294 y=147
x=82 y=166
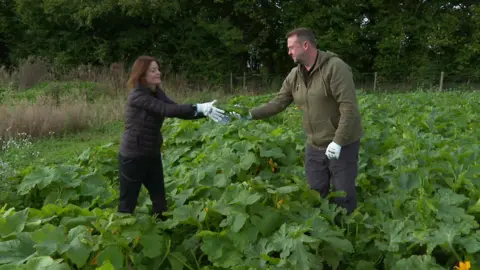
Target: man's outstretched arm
x=278 y=104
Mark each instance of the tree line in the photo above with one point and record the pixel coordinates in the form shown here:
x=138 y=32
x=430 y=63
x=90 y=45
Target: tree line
x=210 y=39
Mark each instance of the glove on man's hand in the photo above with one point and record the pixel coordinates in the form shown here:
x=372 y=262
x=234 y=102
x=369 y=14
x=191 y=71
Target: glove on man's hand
x=333 y=150
x=238 y=116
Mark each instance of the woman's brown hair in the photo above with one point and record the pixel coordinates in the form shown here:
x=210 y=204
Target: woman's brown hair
x=139 y=69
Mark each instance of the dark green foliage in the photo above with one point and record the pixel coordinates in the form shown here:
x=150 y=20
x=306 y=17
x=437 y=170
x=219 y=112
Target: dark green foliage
x=209 y=39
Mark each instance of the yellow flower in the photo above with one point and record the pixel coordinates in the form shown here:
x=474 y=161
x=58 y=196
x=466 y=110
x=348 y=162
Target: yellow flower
x=273 y=165
x=279 y=203
x=463 y=265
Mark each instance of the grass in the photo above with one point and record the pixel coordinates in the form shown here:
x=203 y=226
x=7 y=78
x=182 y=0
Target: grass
x=55 y=149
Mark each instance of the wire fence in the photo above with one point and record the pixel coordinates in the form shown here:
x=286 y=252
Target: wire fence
x=114 y=79
x=441 y=81
x=375 y=81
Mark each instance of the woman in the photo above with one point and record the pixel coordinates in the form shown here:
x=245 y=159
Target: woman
x=140 y=160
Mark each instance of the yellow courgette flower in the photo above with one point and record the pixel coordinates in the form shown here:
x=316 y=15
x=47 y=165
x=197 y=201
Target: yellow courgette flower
x=463 y=266
x=273 y=165
x=279 y=203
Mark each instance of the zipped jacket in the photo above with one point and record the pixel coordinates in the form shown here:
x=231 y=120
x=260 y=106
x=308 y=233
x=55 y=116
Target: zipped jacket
x=326 y=95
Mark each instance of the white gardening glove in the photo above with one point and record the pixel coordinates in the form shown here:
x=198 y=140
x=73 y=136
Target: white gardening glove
x=212 y=112
x=333 y=150
x=238 y=116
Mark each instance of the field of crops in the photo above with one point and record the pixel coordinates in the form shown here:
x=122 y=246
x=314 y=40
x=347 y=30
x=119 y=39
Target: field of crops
x=239 y=199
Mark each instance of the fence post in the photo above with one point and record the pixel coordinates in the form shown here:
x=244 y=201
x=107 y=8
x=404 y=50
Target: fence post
x=374 y=81
x=440 y=88
x=244 y=81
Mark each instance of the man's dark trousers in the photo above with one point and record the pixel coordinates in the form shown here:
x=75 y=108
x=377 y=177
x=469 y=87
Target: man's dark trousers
x=133 y=172
x=343 y=172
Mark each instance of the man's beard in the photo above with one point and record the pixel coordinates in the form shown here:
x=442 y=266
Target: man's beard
x=299 y=59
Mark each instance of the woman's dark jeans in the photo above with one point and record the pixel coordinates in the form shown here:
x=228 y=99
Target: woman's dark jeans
x=133 y=172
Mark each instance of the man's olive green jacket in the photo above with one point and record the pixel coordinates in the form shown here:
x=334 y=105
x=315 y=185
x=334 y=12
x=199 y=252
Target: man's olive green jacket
x=327 y=99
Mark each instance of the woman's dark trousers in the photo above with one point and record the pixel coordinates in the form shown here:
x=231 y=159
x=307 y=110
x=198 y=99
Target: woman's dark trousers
x=133 y=172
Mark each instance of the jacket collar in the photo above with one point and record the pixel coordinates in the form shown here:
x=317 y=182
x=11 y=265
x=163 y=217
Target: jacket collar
x=143 y=87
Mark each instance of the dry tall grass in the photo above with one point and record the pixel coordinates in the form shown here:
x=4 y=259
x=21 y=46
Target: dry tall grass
x=44 y=118
x=63 y=114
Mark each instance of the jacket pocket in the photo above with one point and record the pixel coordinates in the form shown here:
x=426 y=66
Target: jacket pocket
x=324 y=132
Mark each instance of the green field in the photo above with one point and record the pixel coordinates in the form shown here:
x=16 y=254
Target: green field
x=418 y=185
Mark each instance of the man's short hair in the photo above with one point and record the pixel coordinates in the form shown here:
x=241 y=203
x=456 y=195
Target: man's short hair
x=303 y=34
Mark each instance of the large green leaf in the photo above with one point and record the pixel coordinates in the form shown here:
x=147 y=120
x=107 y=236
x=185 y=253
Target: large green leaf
x=11 y=224
x=79 y=245
x=17 y=251
x=49 y=239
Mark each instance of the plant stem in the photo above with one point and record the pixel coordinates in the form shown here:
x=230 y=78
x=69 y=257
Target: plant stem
x=184 y=264
x=168 y=250
x=454 y=252
x=195 y=258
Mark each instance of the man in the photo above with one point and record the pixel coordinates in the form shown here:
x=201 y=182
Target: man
x=322 y=87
